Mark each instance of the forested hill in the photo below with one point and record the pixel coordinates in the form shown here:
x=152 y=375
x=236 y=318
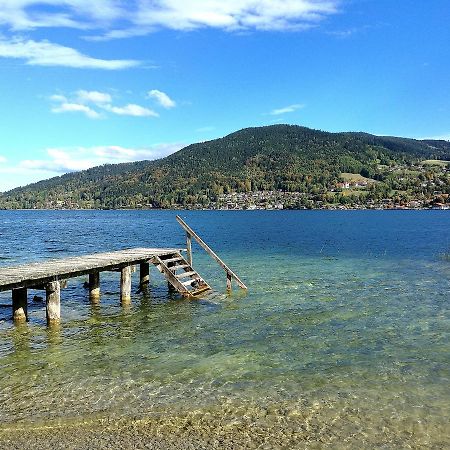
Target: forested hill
x=283 y=158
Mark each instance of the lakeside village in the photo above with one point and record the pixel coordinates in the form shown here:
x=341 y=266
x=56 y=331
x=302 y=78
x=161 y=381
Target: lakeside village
x=422 y=186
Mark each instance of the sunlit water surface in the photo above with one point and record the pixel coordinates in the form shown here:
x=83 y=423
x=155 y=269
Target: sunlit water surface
x=345 y=327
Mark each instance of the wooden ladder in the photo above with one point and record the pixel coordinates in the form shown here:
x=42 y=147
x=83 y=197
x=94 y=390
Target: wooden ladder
x=181 y=275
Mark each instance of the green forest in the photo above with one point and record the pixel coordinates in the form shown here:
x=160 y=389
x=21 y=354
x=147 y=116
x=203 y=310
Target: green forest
x=300 y=166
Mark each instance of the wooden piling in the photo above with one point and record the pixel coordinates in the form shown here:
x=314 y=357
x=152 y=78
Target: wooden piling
x=53 y=291
x=19 y=300
x=94 y=287
x=125 y=285
x=144 y=275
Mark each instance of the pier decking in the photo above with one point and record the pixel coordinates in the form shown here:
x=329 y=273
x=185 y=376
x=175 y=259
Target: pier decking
x=51 y=275
x=43 y=272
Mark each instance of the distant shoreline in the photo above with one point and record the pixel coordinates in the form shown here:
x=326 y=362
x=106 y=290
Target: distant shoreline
x=445 y=208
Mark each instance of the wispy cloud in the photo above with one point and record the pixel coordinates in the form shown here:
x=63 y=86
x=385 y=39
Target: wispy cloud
x=2 y=159
x=287 y=109
x=63 y=160
x=76 y=107
x=132 y=110
x=440 y=137
x=45 y=53
x=56 y=161
x=118 y=19
x=233 y=14
x=162 y=98
x=83 y=14
x=96 y=97
x=95 y=105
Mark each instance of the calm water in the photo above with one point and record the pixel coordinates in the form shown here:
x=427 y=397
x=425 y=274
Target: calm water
x=344 y=331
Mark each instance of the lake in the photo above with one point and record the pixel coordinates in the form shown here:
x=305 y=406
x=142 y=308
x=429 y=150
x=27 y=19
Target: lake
x=342 y=339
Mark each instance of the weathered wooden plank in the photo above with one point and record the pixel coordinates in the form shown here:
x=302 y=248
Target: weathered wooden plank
x=20 y=305
x=41 y=273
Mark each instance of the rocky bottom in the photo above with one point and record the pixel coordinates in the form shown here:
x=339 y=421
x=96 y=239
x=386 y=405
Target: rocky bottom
x=317 y=425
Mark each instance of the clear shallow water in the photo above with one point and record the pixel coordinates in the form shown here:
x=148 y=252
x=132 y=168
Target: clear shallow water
x=344 y=331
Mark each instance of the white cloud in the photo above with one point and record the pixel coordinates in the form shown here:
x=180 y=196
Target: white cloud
x=442 y=137
x=63 y=160
x=28 y=14
x=132 y=110
x=2 y=159
x=121 y=19
x=95 y=105
x=287 y=109
x=234 y=14
x=45 y=53
x=96 y=97
x=162 y=98
x=58 y=98
x=76 y=107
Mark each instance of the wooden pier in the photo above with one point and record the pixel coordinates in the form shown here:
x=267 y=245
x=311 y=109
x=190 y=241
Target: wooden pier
x=51 y=275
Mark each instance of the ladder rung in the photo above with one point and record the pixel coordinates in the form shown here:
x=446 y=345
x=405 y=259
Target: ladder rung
x=169 y=255
x=186 y=274
x=178 y=258
x=189 y=282
x=180 y=266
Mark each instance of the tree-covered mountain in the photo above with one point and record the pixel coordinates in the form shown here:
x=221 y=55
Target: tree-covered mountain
x=283 y=158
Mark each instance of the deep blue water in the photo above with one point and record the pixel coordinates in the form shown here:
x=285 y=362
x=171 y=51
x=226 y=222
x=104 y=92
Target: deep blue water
x=346 y=322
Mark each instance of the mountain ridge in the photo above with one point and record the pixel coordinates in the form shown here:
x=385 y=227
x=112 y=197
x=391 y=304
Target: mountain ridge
x=287 y=158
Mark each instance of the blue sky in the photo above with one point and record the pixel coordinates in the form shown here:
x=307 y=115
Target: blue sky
x=86 y=82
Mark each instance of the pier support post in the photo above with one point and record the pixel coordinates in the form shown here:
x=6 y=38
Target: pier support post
x=94 y=287
x=19 y=301
x=144 y=272
x=125 y=285
x=53 y=291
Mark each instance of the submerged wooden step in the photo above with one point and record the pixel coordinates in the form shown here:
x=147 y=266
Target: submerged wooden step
x=200 y=290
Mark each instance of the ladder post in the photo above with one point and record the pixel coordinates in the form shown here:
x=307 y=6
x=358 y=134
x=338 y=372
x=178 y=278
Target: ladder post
x=189 y=247
x=228 y=282
x=211 y=253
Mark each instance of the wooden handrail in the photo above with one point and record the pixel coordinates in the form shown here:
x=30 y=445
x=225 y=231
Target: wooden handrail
x=230 y=274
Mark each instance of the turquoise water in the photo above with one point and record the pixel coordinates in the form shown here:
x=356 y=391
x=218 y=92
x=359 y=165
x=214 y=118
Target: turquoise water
x=344 y=330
